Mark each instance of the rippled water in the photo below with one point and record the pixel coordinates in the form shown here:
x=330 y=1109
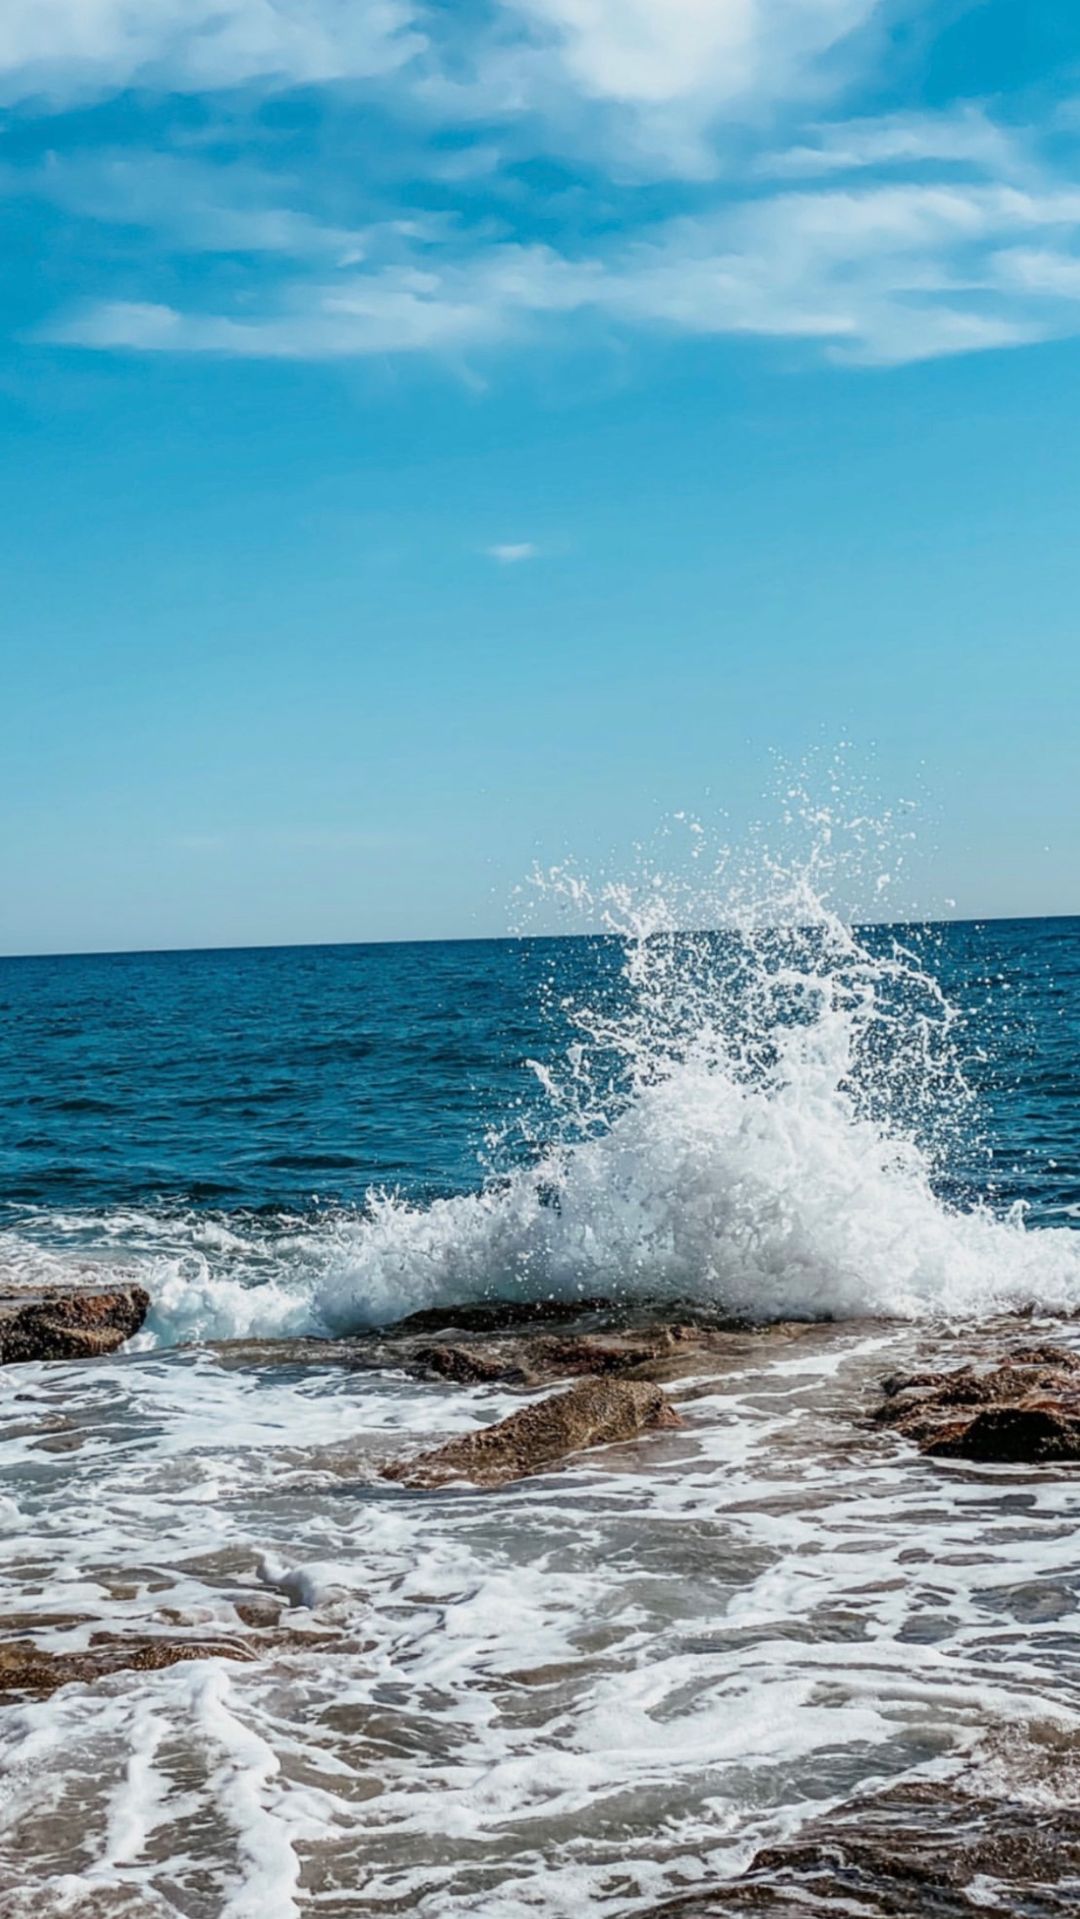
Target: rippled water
x=575 y=1694
x=590 y=1690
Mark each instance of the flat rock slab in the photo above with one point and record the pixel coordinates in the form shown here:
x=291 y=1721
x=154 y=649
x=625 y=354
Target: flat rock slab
x=27 y=1668
x=81 y=1323
x=536 y=1344
x=595 y=1412
x=914 y=1852
x=1023 y=1409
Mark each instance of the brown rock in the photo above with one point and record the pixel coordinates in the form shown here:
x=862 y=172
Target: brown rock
x=612 y=1344
x=499 y=1315
x=530 y=1360
x=1025 y=1409
x=625 y=1354
x=915 y=1852
x=530 y=1344
x=1034 y=1432
x=26 y=1668
x=595 y=1412
x=466 y=1365
x=81 y=1324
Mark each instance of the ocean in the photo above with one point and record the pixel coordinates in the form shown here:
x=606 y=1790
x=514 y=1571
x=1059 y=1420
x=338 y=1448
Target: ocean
x=600 y=1687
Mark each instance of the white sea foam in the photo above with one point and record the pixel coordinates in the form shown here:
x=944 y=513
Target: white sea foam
x=581 y=1694
x=762 y=1119
x=765 y=1202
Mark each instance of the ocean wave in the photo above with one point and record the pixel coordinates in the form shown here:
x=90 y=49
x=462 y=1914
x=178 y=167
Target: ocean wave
x=773 y=1197
x=771 y=1118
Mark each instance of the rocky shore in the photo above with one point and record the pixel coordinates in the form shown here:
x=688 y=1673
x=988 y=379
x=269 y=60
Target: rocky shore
x=83 y=1322
x=1016 y=1406
x=1020 y=1408
x=916 y=1851
x=625 y=1377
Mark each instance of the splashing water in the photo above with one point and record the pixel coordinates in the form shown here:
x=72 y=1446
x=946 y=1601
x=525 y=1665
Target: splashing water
x=763 y=1117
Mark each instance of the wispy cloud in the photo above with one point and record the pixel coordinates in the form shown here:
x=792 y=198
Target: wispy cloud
x=512 y=552
x=879 y=275
x=671 y=65
x=59 y=50
x=965 y=137
x=707 y=184
x=188 y=203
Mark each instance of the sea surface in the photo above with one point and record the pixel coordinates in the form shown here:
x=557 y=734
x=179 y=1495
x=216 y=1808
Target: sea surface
x=605 y=1685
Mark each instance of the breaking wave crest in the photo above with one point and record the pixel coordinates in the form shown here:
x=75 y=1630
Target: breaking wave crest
x=767 y=1117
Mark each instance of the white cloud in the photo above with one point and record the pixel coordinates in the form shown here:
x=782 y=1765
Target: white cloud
x=668 y=70
x=662 y=72
x=874 y=240
x=429 y=304
x=964 y=137
x=63 y=48
x=512 y=552
x=887 y=273
x=670 y=64
x=1039 y=271
x=198 y=206
x=381 y=314
x=651 y=52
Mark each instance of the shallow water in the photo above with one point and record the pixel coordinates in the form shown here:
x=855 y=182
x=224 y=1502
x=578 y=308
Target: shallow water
x=578 y=1693
x=590 y=1690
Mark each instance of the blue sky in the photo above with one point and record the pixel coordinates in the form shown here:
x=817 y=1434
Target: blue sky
x=437 y=437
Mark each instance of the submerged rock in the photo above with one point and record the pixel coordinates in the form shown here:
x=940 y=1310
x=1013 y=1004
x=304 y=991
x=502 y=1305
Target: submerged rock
x=83 y=1323
x=466 y=1365
x=27 y=1668
x=533 y=1360
x=917 y=1851
x=1025 y=1409
x=595 y=1412
x=535 y=1343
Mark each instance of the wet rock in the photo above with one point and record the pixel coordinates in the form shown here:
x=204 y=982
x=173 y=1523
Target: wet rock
x=83 y=1323
x=497 y=1315
x=1023 y=1409
x=536 y=1342
x=533 y=1360
x=28 y=1668
x=1035 y=1432
x=466 y=1365
x=914 y=1852
x=595 y=1412
x=599 y=1343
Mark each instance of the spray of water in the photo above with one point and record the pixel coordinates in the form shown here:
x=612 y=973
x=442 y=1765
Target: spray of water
x=758 y=1106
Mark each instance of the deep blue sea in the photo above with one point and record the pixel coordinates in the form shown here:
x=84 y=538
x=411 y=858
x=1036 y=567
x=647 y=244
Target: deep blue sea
x=280 y=1077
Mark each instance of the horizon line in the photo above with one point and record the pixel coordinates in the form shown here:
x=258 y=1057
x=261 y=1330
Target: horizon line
x=481 y=939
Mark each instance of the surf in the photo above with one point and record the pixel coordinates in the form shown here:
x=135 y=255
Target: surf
x=771 y=1117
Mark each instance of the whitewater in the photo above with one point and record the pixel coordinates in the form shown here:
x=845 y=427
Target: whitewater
x=763 y=1118
x=762 y=1204
x=602 y=1687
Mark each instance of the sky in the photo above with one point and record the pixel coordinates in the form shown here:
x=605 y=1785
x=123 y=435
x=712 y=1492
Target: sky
x=436 y=438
